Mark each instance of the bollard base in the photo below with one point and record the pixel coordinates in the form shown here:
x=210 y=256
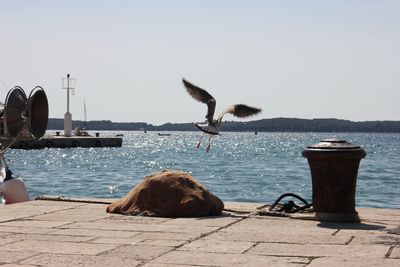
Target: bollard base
x=337 y=217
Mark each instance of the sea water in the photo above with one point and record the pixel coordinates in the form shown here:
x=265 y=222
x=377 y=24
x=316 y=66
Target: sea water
x=244 y=167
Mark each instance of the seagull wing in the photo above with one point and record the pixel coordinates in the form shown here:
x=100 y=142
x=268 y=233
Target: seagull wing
x=197 y=93
x=240 y=111
x=202 y=96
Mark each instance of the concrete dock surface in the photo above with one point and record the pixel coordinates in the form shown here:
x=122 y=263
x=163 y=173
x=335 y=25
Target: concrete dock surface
x=81 y=233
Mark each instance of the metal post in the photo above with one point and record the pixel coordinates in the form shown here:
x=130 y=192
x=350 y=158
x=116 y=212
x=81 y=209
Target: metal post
x=334 y=166
x=68 y=93
x=69 y=84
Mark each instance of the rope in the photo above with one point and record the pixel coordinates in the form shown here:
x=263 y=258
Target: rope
x=67 y=199
x=289 y=207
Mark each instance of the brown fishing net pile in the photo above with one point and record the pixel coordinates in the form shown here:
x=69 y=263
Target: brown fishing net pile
x=169 y=194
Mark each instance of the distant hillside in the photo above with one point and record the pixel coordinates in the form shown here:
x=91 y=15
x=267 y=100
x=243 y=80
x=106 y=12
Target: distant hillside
x=264 y=125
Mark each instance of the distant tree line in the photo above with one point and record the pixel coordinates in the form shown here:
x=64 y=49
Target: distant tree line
x=264 y=125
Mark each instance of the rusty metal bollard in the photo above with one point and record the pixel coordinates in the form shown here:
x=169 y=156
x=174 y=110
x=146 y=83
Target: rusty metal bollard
x=334 y=167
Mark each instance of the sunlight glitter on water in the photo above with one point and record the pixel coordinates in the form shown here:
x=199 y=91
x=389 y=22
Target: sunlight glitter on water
x=239 y=166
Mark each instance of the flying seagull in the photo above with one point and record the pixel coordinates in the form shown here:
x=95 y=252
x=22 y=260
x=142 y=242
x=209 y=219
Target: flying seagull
x=212 y=126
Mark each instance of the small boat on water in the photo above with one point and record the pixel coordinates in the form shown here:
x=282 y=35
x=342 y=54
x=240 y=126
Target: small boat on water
x=164 y=134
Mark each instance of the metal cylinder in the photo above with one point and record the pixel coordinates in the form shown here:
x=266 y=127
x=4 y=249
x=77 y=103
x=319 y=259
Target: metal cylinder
x=334 y=167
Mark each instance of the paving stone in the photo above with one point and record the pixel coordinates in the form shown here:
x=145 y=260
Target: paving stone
x=25 y=230
x=163 y=243
x=32 y=207
x=354 y=232
x=11 y=217
x=138 y=252
x=135 y=219
x=356 y=228
x=84 y=211
x=372 y=234
x=43 y=209
x=89 y=209
x=9 y=239
x=218 y=246
x=167 y=236
x=218 y=259
x=59 y=247
x=65 y=217
x=165 y=265
x=278 y=237
x=94 y=233
x=208 y=221
x=61 y=238
x=117 y=240
x=289 y=226
x=353 y=262
x=4 y=234
x=54 y=233
x=14 y=214
x=32 y=223
x=127 y=226
x=93 y=206
x=241 y=206
x=371 y=239
x=38 y=206
x=51 y=203
x=59 y=260
x=313 y=250
x=7 y=256
x=17 y=265
x=393 y=230
x=375 y=214
x=395 y=253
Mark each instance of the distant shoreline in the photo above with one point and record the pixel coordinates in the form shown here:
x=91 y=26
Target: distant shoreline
x=263 y=125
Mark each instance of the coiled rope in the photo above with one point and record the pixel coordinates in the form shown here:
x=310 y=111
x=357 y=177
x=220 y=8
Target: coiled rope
x=289 y=207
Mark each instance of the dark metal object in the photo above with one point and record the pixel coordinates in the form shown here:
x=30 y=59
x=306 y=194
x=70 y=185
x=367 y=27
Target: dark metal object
x=334 y=167
x=290 y=206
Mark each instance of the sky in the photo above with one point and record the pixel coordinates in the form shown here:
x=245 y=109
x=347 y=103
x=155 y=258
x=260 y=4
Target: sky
x=297 y=59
